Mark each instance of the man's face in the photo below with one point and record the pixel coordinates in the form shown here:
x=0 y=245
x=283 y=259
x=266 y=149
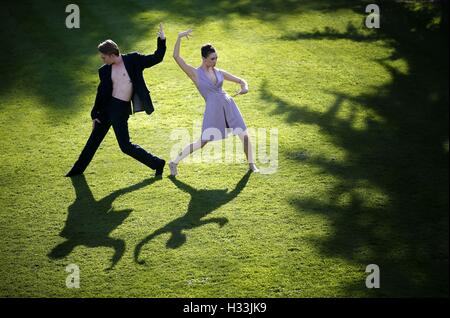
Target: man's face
x=107 y=58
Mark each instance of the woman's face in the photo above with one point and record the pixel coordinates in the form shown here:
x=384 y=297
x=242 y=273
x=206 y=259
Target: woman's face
x=211 y=60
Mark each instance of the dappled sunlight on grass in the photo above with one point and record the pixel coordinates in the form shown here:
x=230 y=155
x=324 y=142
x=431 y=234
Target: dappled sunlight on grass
x=363 y=154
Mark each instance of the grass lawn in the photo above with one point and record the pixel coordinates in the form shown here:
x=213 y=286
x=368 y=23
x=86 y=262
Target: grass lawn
x=362 y=178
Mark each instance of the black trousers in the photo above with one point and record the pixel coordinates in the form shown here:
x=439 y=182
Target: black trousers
x=117 y=117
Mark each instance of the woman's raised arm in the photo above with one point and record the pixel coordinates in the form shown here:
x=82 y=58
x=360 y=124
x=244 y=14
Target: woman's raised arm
x=188 y=69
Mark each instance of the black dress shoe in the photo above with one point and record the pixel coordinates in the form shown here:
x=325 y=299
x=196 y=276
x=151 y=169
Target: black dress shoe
x=160 y=169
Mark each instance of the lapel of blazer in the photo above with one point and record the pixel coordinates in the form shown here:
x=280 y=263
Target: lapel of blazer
x=137 y=104
x=105 y=72
x=128 y=66
x=108 y=73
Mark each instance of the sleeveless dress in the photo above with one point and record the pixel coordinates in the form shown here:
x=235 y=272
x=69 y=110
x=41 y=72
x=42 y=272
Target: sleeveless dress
x=221 y=112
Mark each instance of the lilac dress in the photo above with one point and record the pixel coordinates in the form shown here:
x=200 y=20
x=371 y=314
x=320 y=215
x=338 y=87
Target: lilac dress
x=220 y=112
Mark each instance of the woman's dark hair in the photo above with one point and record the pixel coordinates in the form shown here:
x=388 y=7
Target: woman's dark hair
x=207 y=49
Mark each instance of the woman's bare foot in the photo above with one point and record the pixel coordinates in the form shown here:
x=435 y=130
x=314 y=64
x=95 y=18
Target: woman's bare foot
x=252 y=167
x=173 y=168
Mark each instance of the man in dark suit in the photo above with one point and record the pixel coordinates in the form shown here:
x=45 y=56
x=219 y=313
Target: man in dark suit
x=121 y=81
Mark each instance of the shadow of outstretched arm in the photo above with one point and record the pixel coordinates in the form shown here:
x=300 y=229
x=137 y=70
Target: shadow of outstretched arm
x=112 y=196
x=220 y=221
x=119 y=249
x=62 y=250
x=138 y=248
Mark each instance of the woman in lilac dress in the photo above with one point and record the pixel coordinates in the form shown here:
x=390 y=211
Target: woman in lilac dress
x=220 y=112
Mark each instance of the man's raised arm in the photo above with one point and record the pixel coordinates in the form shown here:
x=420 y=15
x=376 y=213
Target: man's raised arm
x=157 y=57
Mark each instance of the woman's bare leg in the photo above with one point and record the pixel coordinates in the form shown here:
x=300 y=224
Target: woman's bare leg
x=248 y=151
x=186 y=152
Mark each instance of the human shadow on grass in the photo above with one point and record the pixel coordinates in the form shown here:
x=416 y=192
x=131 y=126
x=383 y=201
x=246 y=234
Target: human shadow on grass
x=90 y=221
x=202 y=203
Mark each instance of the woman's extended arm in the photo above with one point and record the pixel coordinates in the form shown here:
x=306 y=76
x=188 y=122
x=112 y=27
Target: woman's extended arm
x=235 y=79
x=188 y=69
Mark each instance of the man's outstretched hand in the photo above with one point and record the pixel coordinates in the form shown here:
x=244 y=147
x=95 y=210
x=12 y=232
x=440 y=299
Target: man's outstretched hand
x=161 y=34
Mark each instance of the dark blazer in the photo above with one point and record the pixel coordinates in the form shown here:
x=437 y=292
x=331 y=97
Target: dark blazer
x=135 y=63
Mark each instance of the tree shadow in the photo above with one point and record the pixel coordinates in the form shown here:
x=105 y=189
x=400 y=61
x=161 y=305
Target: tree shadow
x=90 y=222
x=202 y=203
x=352 y=33
x=402 y=153
x=298 y=113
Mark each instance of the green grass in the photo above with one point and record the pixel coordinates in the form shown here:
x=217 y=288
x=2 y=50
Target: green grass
x=362 y=117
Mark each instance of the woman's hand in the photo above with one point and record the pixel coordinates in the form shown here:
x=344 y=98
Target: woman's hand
x=161 y=34
x=186 y=34
x=244 y=88
x=241 y=92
